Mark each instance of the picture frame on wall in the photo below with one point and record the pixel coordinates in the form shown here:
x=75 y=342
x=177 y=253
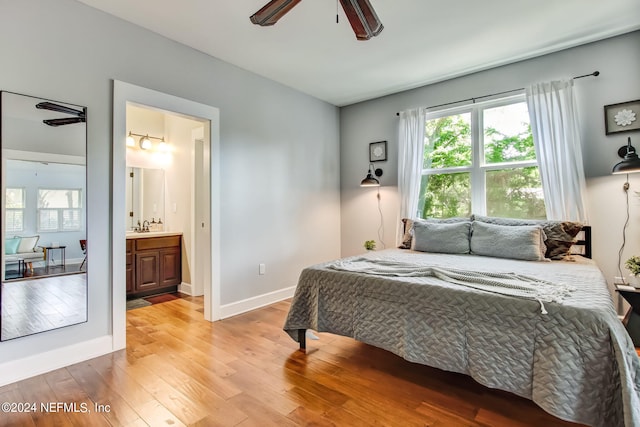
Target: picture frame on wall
x=622 y=117
x=378 y=151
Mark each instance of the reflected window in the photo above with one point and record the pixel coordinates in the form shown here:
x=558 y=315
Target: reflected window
x=59 y=210
x=14 y=210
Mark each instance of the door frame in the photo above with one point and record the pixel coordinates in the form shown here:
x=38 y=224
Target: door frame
x=126 y=93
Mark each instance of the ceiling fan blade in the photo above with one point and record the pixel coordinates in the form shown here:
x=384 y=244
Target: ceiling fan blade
x=59 y=108
x=272 y=11
x=363 y=18
x=65 y=121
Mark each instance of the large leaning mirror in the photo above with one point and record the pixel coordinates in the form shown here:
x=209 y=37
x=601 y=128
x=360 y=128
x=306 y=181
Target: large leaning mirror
x=44 y=264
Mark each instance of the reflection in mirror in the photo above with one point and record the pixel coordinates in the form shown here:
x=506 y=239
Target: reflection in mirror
x=43 y=267
x=144 y=198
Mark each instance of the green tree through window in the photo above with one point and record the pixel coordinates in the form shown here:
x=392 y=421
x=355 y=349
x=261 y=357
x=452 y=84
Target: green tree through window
x=481 y=159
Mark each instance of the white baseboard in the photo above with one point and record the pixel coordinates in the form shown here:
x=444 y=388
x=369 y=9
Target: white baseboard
x=249 y=304
x=30 y=366
x=185 y=288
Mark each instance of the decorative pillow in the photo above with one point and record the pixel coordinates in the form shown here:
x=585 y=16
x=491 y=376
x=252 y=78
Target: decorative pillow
x=560 y=235
x=11 y=245
x=525 y=242
x=448 y=238
x=28 y=244
x=408 y=228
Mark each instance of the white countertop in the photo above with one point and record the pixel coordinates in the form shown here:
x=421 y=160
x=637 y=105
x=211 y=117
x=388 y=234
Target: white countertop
x=146 y=234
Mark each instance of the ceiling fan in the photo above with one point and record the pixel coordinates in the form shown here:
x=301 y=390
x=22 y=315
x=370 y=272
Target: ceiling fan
x=80 y=115
x=362 y=17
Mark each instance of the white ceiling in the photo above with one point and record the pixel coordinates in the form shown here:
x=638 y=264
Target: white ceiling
x=423 y=41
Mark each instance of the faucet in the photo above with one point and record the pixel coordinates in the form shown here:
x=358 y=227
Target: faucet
x=145 y=227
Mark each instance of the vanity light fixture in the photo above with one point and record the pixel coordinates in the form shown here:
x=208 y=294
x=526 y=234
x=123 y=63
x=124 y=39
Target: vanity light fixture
x=145 y=141
x=369 y=180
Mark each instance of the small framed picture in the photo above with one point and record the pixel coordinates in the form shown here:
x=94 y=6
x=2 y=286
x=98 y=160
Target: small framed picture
x=378 y=151
x=622 y=117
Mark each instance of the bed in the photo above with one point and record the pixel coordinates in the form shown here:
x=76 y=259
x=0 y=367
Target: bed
x=564 y=349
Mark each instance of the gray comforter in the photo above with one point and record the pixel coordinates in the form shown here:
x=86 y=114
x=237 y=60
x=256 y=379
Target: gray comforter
x=574 y=358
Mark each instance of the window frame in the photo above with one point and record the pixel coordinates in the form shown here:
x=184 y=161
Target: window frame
x=479 y=167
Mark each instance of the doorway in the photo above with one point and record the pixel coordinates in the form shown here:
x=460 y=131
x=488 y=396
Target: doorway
x=205 y=205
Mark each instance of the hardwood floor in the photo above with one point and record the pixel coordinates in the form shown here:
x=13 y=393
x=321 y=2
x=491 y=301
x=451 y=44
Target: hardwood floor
x=40 y=304
x=245 y=371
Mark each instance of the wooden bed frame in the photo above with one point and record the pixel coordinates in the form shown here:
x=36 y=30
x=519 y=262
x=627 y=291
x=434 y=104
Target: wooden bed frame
x=585 y=242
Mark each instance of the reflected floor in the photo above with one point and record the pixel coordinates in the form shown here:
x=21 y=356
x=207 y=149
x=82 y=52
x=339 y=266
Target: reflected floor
x=33 y=305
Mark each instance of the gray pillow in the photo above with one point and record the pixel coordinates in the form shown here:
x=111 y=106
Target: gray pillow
x=559 y=235
x=448 y=238
x=525 y=242
x=407 y=238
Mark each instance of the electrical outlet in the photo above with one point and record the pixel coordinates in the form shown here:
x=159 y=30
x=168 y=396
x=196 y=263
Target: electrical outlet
x=262 y=269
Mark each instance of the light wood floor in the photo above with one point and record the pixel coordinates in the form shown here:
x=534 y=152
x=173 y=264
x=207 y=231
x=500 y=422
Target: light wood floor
x=40 y=304
x=245 y=371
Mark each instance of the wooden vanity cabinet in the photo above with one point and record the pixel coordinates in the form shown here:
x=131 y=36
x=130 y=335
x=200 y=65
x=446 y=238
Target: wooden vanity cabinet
x=156 y=265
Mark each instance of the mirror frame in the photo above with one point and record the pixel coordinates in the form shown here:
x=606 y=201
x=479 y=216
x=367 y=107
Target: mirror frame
x=56 y=113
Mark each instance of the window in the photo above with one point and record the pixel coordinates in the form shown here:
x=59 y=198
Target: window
x=59 y=209
x=14 y=210
x=481 y=159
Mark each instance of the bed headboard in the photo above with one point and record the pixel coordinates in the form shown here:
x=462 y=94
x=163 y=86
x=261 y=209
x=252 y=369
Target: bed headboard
x=585 y=241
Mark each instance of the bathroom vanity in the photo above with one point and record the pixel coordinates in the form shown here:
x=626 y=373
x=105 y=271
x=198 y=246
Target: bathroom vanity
x=154 y=263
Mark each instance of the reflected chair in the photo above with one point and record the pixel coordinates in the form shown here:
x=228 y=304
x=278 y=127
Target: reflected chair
x=83 y=246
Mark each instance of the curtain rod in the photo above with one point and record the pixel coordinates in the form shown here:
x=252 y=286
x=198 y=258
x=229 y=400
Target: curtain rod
x=594 y=74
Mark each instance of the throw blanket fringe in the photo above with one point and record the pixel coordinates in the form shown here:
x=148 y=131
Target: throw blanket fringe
x=510 y=284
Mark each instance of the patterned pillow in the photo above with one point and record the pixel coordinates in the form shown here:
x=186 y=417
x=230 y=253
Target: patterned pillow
x=561 y=235
x=408 y=228
x=525 y=242
x=448 y=238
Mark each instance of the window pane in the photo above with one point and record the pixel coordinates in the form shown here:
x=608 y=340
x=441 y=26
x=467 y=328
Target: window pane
x=448 y=142
x=14 y=198
x=515 y=193
x=58 y=198
x=15 y=220
x=47 y=220
x=445 y=195
x=507 y=134
x=71 y=219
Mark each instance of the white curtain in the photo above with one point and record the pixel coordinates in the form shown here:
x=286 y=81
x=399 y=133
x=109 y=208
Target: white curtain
x=410 y=147
x=556 y=136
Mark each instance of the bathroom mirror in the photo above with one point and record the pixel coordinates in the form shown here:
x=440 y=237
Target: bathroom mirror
x=43 y=213
x=145 y=196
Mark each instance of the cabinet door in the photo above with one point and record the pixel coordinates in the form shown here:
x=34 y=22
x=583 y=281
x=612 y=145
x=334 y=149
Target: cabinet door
x=147 y=270
x=170 y=267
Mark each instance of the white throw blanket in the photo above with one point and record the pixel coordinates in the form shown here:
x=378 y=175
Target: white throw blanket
x=510 y=284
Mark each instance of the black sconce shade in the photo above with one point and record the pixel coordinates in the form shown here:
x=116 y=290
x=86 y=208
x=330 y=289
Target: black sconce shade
x=630 y=161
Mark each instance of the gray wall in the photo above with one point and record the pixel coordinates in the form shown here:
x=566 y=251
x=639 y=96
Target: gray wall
x=279 y=148
x=618 y=59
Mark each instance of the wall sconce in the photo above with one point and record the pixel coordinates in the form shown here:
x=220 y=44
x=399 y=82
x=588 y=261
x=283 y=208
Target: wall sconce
x=369 y=180
x=630 y=161
x=145 y=141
